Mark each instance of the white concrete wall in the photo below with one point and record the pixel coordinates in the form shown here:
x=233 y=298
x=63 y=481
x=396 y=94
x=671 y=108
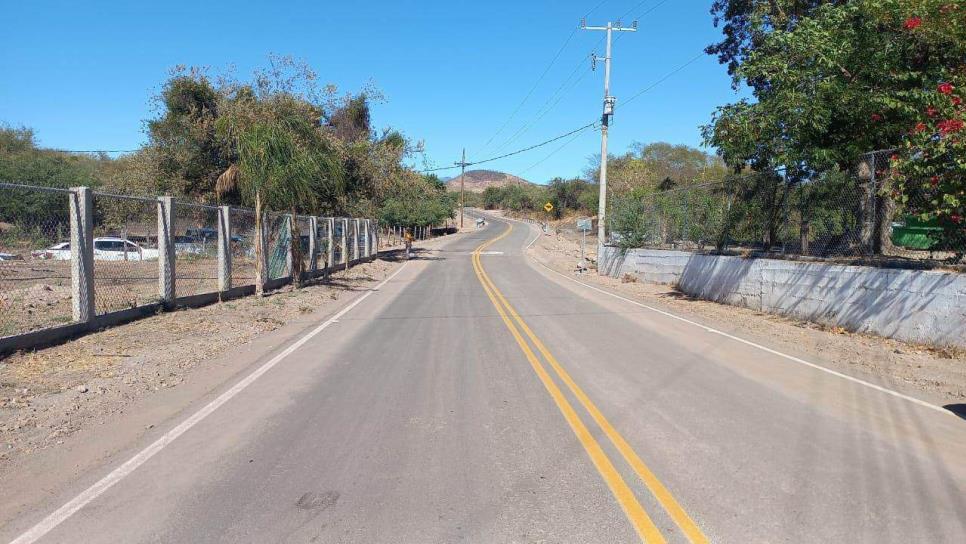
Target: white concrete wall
x=914 y=305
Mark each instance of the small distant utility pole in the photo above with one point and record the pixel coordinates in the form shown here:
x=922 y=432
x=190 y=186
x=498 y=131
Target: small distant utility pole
x=462 y=165
x=605 y=121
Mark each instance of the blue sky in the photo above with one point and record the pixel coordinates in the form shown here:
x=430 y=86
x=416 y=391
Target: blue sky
x=82 y=74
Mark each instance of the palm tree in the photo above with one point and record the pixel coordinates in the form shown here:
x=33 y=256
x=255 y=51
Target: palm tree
x=283 y=165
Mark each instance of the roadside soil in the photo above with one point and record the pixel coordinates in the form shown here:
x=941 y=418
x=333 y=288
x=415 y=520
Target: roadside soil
x=939 y=373
x=49 y=394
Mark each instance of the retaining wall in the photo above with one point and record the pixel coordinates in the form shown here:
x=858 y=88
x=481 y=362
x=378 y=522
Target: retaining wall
x=914 y=305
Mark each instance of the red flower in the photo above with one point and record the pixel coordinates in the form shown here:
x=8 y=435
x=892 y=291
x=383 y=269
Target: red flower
x=934 y=181
x=931 y=111
x=949 y=126
x=894 y=158
x=876 y=117
x=955 y=218
x=920 y=126
x=912 y=23
x=945 y=88
x=956 y=100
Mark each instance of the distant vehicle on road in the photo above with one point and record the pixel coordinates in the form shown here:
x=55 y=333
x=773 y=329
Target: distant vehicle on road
x=105 y=249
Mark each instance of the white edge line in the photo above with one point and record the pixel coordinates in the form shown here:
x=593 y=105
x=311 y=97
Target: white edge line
x=749 y=342
x=66 y=511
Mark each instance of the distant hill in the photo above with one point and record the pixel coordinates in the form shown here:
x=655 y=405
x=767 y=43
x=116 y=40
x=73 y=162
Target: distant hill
x=478 y=180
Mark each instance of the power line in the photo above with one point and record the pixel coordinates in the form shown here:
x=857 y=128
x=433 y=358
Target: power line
x=551 y=154
x=641 y=16
x=518 y=151
x=633 y=97
x=532 y=88
x=539 y=80
x=664 y=78
x=554 y=99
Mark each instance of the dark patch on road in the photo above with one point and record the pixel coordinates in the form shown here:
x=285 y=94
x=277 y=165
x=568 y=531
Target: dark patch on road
x=317 y=501
x=958 y=409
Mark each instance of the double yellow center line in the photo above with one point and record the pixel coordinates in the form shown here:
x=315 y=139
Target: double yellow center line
x=622 y=492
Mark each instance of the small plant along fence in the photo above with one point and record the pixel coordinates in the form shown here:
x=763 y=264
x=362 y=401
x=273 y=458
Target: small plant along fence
x=76 y=259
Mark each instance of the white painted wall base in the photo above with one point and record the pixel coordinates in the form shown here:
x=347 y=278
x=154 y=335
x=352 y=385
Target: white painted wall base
x=913 y=305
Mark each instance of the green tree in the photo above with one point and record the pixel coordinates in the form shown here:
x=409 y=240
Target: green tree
x=834 y=80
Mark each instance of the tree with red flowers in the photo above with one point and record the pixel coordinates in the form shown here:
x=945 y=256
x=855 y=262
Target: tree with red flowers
x=833 y=80
x=929 y=170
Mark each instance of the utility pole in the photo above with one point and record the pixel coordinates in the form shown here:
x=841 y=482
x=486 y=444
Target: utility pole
x=462 y=165
x=604 y=123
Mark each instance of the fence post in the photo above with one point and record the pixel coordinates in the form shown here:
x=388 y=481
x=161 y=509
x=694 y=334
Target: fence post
x=345 y=243
x=290 y=231
x=375 y=235
x=355 y=239
x=166 y=257
x=224 y=248
x=368 y=240
x=313 y=245
x=82 y=254
x=330 y=247
x=261 y=257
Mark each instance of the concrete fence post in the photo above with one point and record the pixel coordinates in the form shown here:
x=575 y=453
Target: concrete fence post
x=290 y=232
x=224 y=248
x=375 y=235
x=166 y=256
x=345 y=243
x=355 y=239
x=368 y=238
x=313 y=245
x=82 y=254
x=330 y=247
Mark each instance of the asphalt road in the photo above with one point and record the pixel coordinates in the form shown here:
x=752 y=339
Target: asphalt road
x=485 y=399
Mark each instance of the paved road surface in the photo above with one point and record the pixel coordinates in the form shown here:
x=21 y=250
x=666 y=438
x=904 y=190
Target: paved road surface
x=498 y=402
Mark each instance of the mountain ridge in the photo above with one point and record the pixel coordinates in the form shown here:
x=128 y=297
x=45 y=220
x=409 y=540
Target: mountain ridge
x=476 y=181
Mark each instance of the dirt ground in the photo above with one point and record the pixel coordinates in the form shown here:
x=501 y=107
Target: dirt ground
x=49 y=394
x=939 y=372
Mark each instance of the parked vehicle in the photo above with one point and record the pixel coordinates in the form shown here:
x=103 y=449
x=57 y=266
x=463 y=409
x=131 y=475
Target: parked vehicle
x=119 y=249
x=58 y=252
x=10 y=257
x=105 y=249
x=202 y=234
x=187 y=245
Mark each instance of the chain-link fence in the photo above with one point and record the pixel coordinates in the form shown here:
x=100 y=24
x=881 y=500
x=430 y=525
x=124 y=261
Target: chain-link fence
x=126 y=245
x=322 y=239
x=278 y=245
x=832 y=214
x=243 y=236
x=339 y=233
x=125 y=252
x=35 y=250
x=195 y=238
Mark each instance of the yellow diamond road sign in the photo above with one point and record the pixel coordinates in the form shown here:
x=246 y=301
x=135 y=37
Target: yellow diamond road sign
x=548 y=207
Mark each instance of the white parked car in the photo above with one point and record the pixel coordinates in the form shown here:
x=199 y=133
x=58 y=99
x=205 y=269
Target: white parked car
x=105 y=249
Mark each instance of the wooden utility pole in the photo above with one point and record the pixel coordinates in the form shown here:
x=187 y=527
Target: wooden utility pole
x=462 y=165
